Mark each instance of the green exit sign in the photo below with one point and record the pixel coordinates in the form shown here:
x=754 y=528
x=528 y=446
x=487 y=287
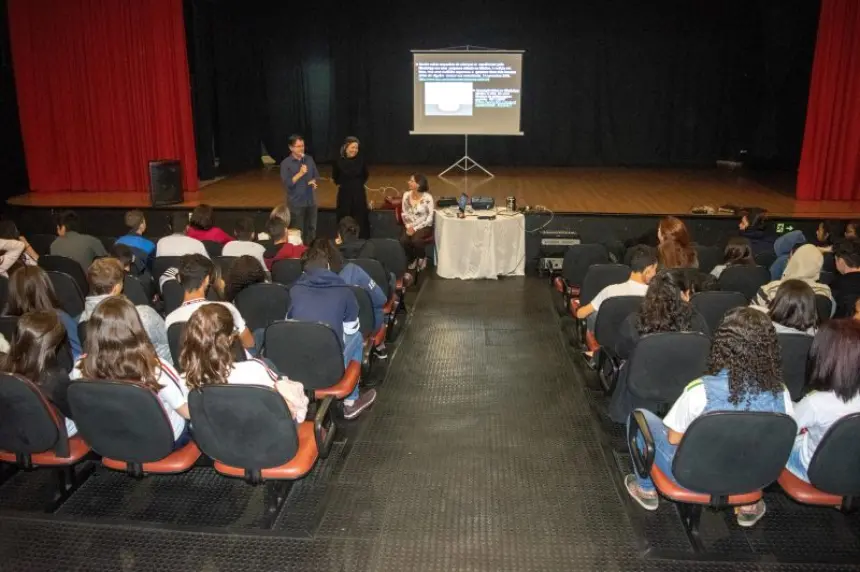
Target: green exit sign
x=784 y=227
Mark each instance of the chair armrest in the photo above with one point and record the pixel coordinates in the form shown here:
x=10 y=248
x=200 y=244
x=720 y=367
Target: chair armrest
x=324 y=427
x=640 y=425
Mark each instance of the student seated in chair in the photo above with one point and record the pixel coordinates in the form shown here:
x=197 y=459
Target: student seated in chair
x=743 y=374
x=82 y=248
x=833 y=375
x=321 y=295
x=132 y=267
x=281 y=247
x=178 y=243
x=348 y=241
x=244 y=243
x=643 y=267
x=118 y=348
x=207 y=359
x=135 y=221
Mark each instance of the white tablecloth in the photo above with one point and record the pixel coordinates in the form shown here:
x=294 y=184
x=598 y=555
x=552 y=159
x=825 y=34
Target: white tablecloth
x=474 y=248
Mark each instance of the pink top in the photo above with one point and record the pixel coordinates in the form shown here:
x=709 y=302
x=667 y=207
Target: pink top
x=214 y=234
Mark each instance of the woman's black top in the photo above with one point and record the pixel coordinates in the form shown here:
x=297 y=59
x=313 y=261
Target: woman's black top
x=350 y=174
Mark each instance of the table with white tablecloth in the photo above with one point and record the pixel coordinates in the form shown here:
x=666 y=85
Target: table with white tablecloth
x=474 y=247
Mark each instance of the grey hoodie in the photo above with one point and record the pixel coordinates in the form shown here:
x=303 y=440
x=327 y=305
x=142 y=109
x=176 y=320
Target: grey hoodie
x=152 y=323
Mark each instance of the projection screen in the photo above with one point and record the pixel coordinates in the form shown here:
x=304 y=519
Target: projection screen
x=467 y=92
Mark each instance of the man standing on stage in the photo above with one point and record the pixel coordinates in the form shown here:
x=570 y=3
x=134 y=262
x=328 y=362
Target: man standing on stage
x=299 y=174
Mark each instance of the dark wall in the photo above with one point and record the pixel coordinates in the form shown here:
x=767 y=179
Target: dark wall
x=614 y=82
x=13 y=169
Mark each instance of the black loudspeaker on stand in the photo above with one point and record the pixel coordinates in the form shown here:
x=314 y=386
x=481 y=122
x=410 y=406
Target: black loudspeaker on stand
x=165 y=182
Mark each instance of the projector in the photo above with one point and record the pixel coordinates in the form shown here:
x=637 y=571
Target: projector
x=483 y=203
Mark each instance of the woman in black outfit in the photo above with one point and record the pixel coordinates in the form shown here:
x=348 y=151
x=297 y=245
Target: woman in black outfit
x=350 y=175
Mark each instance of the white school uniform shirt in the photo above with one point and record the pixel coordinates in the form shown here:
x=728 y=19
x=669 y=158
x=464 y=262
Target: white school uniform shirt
x=173 y=394
x=629 y=288
x=179 y=245
x=816 y=413
x=183 y=313
x=691 y=404
x=245 y=248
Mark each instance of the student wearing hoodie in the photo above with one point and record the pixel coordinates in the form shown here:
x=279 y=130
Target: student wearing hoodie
x=105 y=277
x=783 y=247
x=805 y=264
x=753 y=227
x=348 y=241
x=321 y=295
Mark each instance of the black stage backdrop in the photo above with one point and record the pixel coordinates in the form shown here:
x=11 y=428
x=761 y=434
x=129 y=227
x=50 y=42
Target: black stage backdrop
x=609 y=82
x=13 y=168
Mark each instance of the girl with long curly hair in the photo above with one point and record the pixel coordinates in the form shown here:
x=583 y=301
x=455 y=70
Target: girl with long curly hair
x=207 y=359
x=743 y=374
x=118 y=348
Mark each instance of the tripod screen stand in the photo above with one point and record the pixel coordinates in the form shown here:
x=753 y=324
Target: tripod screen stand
x=466 y=163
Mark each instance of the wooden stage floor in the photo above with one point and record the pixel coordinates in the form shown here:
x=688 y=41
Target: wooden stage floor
x=563 y=190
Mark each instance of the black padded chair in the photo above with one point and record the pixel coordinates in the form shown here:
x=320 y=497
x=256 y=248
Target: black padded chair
x=286 y=271
x=67 y=266
x=161 y=264
x=598 y=277
x=824 y=307
x=826 y=277
x=709 y=257
x=365 y=325
x=726 y=457
x=262 y=304
x=41 y=243
x=577 y=260
x=249 y=433
x=765 y=259
x=378 y=273
x=126 y=424
x=744 y=279
x=8 y=327
x=794 y=349
x=390 y=253
x=109 y=241
x=134 y=291
x=715 y=304
x=612 y=314
x=311 y=352
x=33 y=435
x=68 y=294
x=172 y=294
x=834 y=471
x=213 y=248
x=662 y=365
x=82 y=333
x=4 y=291
x=224 y=263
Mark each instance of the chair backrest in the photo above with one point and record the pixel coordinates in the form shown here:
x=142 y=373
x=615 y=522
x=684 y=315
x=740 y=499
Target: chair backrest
x=308 y=352
x=161 y=264
x=68 y=294
x=243 y=425
x=66 y=266
x=733 y=452
x=365 y=310
x=28 y=423
x=744 y=279
x=286 y=271
x=579 y=258
x=715 y=304
x=174 y=340
x=824 y=307
x=794 y=349
x=82 y=332
x=661 y=365
x=121 y=420
x=765 y=259
x=172 y=294
x=213 y=248
x=376 y=270
x=826 y=277
x=4 y=290
x=612 y=314
x=835 y=466
x=109 y=241
x=8 y=327
x=709 y=256
x=598 y=277
x=41 y=243
x=134 y=291
x=224 y=263
x=262 y=304
x=390 y=253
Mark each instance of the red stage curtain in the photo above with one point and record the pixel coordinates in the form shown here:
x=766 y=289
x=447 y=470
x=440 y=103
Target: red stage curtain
x=830 y=161
x=103 y=88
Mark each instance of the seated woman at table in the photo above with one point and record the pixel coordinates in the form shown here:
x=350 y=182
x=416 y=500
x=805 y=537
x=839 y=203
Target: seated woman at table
x=417 y=215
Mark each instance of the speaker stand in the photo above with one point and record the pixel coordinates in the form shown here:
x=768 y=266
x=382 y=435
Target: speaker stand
x=466 y=163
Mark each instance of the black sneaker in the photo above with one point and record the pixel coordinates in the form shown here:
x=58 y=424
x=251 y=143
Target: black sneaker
x=380 y=352
x=366 y=400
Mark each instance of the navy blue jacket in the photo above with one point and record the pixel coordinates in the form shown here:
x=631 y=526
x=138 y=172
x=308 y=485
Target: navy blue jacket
x=320 y=295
